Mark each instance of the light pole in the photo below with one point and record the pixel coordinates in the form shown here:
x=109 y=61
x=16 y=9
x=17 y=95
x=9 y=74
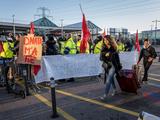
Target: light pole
x=13 y=24
x=62 y=27
x=151 y=32
x=156 y=22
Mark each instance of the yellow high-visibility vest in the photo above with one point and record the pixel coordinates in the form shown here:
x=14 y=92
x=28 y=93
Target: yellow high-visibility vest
x=71 y=45
x=7 y=53
x=62 y=47
x=78 y=46
x=120 y=47
x=98 y=47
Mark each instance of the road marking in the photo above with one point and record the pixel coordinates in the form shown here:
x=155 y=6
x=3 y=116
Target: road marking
x=48 y=103
x=99 y=103
x=157 y=64
x=113 y=107
x=154 y=79
x=152 y=74
x=153 y=84
x=157 y=75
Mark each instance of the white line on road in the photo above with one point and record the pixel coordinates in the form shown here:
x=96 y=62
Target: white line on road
x=157 y=75
x=154 y=84
x=154 y=79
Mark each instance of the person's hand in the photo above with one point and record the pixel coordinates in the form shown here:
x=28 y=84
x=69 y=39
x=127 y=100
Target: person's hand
x=107 y=54
x=150 y=59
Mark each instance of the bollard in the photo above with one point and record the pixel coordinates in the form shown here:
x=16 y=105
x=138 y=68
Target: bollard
x=26 y=83
x=53 y=96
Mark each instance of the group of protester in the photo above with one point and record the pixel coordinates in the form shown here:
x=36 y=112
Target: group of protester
x=106 y=46
x=69 y=45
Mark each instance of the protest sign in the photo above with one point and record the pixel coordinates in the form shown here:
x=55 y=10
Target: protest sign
x=30 y=51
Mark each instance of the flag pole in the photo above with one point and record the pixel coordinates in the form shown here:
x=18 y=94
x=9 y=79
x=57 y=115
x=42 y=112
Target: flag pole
x=81 y=8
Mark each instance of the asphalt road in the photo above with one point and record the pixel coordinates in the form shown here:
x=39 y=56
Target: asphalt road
x=80 y=100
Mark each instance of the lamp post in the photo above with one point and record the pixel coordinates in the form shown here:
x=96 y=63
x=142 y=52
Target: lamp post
x=13 y=16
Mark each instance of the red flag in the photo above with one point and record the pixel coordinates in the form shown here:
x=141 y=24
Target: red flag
x=36 y=69
x=85 y=36
x=1 y=47
x=104 y=33
x=137 y=46
x=32 y=28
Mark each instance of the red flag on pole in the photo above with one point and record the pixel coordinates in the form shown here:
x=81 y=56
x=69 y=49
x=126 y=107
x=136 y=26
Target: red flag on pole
x=1 y=47
x=85 y=35
x=36 y=68
x=32 y=28
x=137 y=46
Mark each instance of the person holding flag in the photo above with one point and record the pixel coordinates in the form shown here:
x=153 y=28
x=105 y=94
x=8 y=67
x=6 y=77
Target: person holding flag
x=148 y=54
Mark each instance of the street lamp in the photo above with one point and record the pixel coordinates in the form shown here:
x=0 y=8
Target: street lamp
x=62 y=27
x=156 y=22
x=13 y=24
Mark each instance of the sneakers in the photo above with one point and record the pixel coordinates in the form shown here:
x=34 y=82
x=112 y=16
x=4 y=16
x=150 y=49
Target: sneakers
x=145 y=82
x=104 y=97
x=114 y=92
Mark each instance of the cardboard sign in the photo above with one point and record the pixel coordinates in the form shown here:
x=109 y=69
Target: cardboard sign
x=30 y=51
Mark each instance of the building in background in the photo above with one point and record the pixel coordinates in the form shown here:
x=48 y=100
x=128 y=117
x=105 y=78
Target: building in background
x=153 y=35
x=44 y=27
x=119 y=33
x=94 y=29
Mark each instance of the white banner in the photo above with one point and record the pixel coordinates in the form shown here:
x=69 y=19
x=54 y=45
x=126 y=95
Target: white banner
x=79 y=65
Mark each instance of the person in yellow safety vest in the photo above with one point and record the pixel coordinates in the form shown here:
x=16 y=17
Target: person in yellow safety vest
x=98 y=45
x=70 y=46
x=120 y=46
x=61 y=42
x=7 y=49
x=62 y=47
x=87 y=50
x=78 y=43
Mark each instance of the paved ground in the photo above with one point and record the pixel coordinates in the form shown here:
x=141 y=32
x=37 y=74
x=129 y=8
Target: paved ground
x=81 y=101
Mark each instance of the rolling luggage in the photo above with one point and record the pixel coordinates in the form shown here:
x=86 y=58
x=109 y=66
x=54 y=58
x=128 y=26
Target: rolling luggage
x=128 y=81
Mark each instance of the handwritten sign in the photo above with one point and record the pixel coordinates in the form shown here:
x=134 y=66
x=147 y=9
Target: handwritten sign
x=30 y=51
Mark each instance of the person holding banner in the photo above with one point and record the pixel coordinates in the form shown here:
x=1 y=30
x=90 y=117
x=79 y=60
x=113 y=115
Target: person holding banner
x=78 y=43
x=70 y=46
x=110 y=58
x=98 y=45
x=148 y=54
x=51 y=47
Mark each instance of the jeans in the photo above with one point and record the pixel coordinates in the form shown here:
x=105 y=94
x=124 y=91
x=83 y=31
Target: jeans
x=110 y=80
x=146 y=68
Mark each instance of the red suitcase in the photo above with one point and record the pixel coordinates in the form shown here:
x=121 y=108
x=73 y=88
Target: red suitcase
x=128 y=81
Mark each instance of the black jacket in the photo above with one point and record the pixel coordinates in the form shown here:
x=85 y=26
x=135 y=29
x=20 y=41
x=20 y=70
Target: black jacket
x=52 y=48
x=112 y=57
x=146 y=53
